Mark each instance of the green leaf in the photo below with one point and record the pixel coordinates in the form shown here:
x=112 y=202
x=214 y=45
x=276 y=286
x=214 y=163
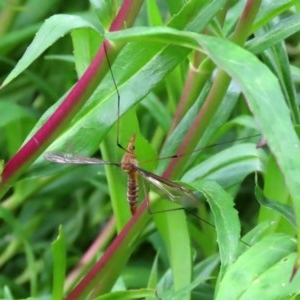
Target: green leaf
x=228 y=167
x=53 y=29
x=105 y=11
x=281 y=208
x=270 y=9
x=13 y=112
x=16 y=37
x=256 y=234
x=22 y=236
x=86 y=43
x=154 y=16
x=262 y=272
x=182 y=293
x=128 y=295
x=173 y=229
x=283 y=29
x=158 y=111
x=59 y=265
x=225 y=218
x=278 y=209
x=153 y=277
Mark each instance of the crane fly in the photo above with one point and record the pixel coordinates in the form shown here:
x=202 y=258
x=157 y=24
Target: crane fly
x=129 y=165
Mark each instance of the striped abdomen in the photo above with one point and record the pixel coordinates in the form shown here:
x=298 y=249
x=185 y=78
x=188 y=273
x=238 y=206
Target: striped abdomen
x=129 y=165
x=132 y=191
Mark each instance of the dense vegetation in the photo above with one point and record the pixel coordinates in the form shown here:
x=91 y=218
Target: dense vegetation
x=190 y=74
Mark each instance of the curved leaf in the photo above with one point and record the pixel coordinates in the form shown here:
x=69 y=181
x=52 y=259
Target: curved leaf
x=262 y=272
x=53 y=29
x=225 y=218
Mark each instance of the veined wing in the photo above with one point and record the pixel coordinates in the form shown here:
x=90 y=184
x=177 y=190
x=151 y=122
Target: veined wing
x=66 y=158
x=174 y=191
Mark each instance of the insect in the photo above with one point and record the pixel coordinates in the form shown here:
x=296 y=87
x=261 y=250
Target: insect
x=174 y=191
x=130 y=166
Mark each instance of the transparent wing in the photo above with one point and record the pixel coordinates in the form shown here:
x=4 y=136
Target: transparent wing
x=66 y=158
x=174 y=191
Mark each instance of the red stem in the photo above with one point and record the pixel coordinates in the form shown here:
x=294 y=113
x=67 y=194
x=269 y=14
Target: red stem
x=72 y=103
x=89 y=256
x=44 y=135
x=88 y=282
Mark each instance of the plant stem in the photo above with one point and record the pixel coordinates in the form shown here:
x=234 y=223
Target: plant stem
x=216 y=94
x=73 y=101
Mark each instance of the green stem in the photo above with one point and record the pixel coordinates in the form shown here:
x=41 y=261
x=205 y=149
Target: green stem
x=214 y=98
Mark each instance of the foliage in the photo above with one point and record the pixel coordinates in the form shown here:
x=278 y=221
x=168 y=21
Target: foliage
x=189 y=74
